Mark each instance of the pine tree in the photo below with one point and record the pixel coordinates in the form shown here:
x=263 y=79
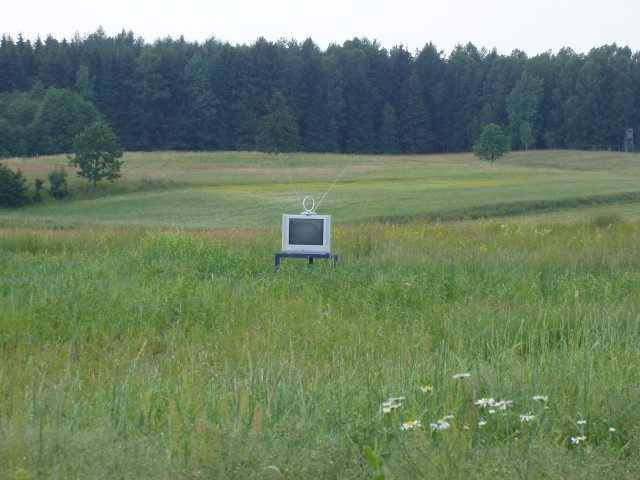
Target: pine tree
x=389 y=137
x=279 y=131
x=13 y=188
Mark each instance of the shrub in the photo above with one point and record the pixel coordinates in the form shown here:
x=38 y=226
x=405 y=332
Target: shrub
x=13 y=188
x=38 y=185
x=58 y=182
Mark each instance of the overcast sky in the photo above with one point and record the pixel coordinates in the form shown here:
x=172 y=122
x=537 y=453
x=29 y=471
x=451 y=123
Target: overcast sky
x=533 y=26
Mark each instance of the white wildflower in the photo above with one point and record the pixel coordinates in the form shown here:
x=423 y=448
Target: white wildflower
x=409 y=424
x=485 y=402
x=441 y=424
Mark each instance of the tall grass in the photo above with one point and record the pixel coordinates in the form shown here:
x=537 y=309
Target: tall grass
x=135 y=352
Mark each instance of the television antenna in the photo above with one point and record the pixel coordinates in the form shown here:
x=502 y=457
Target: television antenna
x=306 y=210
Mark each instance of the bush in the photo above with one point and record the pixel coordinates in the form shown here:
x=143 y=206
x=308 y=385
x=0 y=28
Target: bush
x=58 y=182
x=13 y=188
x=38 y=184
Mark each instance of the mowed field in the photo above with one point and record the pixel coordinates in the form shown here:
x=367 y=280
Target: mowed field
x=483 y=321
x=250 y=189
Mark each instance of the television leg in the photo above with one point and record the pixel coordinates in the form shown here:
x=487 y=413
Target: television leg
x=310 y=260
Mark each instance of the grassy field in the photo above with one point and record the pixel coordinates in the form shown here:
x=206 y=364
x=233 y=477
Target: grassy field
x=205 y=190
x=483 y=321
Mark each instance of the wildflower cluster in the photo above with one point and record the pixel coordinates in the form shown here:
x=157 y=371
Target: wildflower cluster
x=491 y=406
x=488 y=404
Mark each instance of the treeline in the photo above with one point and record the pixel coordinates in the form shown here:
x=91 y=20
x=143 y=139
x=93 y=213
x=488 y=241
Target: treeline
x=352 y=98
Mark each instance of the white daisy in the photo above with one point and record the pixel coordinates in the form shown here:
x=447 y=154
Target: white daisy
x=441 y=424
x=577 y=440
x=391 y=404
x=503 y=404
x=485 y=402
x=409 y=424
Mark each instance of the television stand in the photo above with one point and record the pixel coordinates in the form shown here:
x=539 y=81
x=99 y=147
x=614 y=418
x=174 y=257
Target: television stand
x=310 y=256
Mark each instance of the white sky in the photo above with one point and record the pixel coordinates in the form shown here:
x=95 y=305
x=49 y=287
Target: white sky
x=533 y=26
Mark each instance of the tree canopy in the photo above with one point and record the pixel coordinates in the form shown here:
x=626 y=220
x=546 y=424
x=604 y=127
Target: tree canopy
x=96 y=154
x=279 y=131
x=492 y=144
x=13 y=188
x=352 y=98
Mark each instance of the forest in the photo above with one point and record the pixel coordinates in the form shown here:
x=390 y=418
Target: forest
x=353 y=98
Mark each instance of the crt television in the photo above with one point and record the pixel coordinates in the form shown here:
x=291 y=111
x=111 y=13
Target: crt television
x=306 y=233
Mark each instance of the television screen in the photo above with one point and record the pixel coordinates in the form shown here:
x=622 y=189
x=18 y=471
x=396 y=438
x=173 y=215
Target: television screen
x=306 y=233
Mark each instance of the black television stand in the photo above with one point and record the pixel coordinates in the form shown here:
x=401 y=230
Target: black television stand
x=310 y=256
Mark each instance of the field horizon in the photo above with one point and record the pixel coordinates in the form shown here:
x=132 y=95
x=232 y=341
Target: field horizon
x=482 y=322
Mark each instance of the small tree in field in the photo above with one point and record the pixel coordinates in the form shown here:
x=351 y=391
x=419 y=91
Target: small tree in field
x=492 y=144
x=58 y=183
x=38 y=184
x=96 y=154
x=13 y=188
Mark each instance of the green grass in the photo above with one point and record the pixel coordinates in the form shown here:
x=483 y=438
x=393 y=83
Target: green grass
x=250 y=189
x=143 y=348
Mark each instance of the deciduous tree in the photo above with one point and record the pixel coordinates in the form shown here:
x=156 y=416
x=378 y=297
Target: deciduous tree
x=58 y=183
x=492 y=144
x=523 y=107
x=96 y=154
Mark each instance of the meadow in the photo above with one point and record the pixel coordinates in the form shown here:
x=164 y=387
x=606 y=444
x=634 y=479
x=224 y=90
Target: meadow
x=483 y=320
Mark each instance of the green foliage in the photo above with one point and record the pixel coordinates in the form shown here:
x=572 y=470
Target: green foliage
x=198 y=127
x=526 y=136
x=85 y=83
x=492 y=144
x=17 y=112
x=413 y=121
x=13 y=188
x=60 y=117
x=360 y=99
x=173 y=94
x=58 y=183
x=279 y=131
x=38 y=183
x=523 y=107
x=96 y=154
x=150 y=93
x=389 y=134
